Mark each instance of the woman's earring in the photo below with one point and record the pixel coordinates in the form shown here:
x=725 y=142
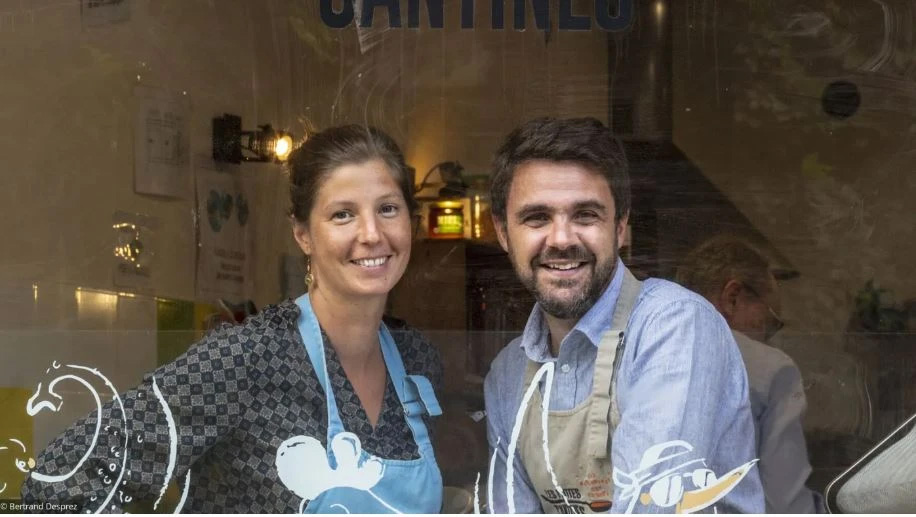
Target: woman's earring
x=309 y=277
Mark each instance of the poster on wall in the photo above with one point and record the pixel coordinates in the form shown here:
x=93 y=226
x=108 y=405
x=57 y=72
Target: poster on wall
x=162 y=142
x=98 y=13
x=225 y=234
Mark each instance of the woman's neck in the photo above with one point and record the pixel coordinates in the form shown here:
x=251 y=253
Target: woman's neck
x=351 y=324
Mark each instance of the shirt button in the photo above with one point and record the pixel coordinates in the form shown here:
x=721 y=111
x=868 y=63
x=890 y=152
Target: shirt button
x=564 y=368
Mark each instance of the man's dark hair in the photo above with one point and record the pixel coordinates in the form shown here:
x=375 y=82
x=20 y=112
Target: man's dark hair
x=585 y=141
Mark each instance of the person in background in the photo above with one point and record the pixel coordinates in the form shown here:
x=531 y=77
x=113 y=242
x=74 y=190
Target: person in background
x=736 y=278
x=645 y=394
x=312 y=405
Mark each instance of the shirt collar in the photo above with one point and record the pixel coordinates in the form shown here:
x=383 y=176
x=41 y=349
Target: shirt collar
x=598 y=318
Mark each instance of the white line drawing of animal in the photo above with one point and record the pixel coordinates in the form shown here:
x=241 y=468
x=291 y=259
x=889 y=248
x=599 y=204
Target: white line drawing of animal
x=46 y=398
x=666 y=488
x=49 y=399
x=23 y=465
x=303 y=467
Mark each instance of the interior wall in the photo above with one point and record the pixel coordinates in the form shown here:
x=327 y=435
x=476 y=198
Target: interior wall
x=70 y=165
x=832 y=194
x=466 y=89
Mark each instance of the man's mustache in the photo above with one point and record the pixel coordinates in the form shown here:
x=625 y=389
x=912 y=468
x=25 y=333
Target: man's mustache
x=572 y=254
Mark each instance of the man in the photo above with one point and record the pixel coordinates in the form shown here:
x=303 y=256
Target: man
x=735 y=277
x=648 y=401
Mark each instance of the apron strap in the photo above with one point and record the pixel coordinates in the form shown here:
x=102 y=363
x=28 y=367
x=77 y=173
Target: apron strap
x=314 y=346
x=415 y=392
x=610 y=348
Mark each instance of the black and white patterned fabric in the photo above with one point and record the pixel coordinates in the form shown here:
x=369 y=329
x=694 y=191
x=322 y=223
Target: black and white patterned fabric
x=235 y=397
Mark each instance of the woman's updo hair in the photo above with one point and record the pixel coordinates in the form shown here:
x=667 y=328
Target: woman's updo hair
x=311 y=164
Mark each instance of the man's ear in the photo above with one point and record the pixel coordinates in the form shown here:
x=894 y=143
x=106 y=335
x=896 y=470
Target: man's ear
x=303 y=239
x=500 y=226
x=728 y=298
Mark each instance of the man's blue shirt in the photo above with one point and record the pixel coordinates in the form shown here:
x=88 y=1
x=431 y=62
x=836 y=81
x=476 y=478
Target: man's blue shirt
x=681 y=377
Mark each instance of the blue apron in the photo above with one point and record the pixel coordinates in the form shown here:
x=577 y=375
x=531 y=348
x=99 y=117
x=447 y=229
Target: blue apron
x=397 y=486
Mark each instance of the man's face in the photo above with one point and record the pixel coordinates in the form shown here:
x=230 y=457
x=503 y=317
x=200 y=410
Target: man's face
x=757 y=311
x=560 y=234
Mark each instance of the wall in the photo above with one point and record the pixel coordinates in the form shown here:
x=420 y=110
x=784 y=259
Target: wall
x=466 y=89
x=830 y=193
x=70 y=165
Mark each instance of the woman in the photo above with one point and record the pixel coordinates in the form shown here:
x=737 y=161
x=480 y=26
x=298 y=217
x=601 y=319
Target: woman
x=313 y=405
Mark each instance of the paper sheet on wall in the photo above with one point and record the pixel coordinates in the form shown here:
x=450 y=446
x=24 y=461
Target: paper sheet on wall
x=226 y=235
x=162 y=143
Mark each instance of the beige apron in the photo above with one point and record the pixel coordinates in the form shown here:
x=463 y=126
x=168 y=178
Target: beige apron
x=579 y=438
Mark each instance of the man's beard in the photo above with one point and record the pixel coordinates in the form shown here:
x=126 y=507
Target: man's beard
x=581 y=302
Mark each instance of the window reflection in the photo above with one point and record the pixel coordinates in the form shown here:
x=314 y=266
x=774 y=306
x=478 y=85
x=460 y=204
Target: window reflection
x=789 y=125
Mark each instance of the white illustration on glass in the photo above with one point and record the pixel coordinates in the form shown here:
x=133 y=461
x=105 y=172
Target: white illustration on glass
x=667 y=489
x=173 y=453
x=304 y=468
x=477 y=494
x=22 y=461
x=46 y=398
x=546 y=370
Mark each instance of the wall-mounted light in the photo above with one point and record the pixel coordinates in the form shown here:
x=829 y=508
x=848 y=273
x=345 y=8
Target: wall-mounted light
x=231 y=144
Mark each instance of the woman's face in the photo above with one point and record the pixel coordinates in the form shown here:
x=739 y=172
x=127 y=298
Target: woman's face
x=359 y=232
